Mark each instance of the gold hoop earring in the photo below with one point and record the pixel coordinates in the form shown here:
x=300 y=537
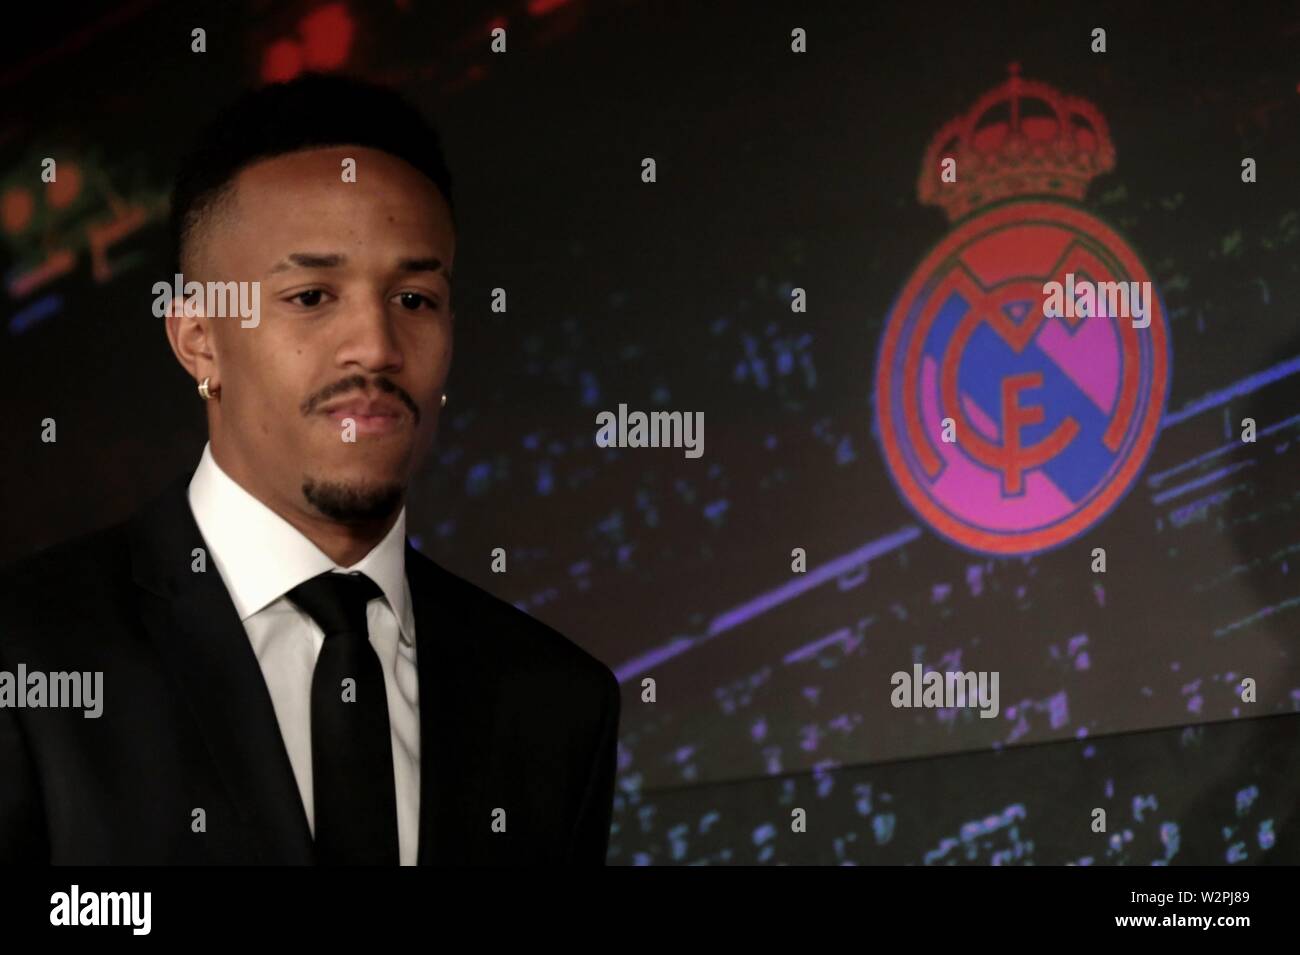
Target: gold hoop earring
x=205 y=391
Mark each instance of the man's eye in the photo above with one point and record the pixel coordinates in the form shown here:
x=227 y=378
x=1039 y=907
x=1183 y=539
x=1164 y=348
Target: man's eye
x=309 y=298
x=411 y=300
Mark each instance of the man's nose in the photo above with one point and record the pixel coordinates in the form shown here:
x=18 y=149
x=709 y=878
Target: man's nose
x=369 y=337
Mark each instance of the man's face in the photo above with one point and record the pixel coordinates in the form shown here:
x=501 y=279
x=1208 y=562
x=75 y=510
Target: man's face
x=330 y=402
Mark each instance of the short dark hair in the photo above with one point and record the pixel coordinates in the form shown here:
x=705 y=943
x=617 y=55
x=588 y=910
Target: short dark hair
x=314 y=110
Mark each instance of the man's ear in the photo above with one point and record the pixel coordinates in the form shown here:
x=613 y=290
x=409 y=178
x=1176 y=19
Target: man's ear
x=189 y=332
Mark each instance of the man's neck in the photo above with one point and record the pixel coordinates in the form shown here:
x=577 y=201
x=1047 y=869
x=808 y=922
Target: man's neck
x=343 y=543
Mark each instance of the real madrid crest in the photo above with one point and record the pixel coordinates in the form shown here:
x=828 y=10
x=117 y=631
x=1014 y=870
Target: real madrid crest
x=1009 y=423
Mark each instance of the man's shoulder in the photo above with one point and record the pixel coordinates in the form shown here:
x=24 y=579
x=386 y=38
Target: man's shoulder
x=101 y=554
x=67 y=592
x=500 y=631
x=93 y=554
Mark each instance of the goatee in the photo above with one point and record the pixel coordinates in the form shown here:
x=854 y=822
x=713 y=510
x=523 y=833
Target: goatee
x=353 y=503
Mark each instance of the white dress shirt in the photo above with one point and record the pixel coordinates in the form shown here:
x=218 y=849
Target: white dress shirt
x=261 y=557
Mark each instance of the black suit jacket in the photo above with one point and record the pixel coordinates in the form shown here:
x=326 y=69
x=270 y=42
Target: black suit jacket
x=513 y=716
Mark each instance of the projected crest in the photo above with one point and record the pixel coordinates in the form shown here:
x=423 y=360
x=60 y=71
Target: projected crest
x=1012 y=420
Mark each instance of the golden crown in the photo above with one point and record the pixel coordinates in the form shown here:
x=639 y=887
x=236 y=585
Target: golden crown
x=1020 y=138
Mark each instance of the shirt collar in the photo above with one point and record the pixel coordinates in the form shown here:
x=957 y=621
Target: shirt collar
x=261 y=556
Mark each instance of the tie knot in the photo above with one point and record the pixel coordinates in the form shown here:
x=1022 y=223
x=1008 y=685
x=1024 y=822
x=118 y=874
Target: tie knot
x=337 y=602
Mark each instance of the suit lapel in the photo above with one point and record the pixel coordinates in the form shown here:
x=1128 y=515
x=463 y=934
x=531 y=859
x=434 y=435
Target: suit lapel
x=197 y=632
x=451 y=718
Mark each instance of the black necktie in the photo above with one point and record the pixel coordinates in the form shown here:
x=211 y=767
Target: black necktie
x=351 y=750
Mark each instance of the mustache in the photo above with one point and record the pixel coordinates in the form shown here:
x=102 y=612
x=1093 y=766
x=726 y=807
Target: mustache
x=359 y=383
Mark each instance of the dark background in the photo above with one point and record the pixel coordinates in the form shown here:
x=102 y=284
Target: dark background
x=775 y=170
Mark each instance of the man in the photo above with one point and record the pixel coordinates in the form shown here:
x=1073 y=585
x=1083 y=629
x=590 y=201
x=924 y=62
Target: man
x=285 y=679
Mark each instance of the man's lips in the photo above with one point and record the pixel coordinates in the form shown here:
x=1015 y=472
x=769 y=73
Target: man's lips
x=371 y=415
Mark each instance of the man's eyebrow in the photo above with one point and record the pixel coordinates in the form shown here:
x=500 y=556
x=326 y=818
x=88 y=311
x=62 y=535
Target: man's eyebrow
x=312 y=260
x=430 y=264
x=309 y=260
